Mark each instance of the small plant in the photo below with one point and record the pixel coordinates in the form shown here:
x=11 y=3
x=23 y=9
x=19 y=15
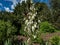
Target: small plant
x=38 y=40
x=55 y=40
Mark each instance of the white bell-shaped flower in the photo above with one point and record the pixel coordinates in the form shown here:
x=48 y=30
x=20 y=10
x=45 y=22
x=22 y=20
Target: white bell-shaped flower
x=39 y=21
x=33 y=28
x=26 y=21
x=35 y=25
x=34 y=36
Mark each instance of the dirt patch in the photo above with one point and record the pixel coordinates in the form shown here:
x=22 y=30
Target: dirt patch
x=47 y=36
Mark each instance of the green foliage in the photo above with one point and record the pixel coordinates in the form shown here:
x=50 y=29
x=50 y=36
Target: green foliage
x=55 y=40
x=10 y=29
x=47 y=27
x=6 y=30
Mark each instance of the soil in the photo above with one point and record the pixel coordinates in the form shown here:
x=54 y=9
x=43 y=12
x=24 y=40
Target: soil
x=44 y=36
x=47 y=36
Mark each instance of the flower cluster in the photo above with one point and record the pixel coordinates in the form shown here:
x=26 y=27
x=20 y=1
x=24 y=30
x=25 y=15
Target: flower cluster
x=30 y=24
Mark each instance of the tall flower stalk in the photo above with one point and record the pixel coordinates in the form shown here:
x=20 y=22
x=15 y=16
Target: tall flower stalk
x=30 y=24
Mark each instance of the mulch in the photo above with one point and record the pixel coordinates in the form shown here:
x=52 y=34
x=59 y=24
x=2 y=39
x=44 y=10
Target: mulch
x=47 y=36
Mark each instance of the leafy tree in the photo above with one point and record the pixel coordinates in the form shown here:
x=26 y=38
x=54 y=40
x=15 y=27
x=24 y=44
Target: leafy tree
x=43 y=12
x=55 y=9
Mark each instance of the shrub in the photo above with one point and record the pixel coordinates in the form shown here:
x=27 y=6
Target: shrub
x=47 y=27
x=6 y=30
x=55 y=40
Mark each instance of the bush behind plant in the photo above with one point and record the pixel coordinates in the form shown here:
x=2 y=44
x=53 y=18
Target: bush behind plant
x=47 y=27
